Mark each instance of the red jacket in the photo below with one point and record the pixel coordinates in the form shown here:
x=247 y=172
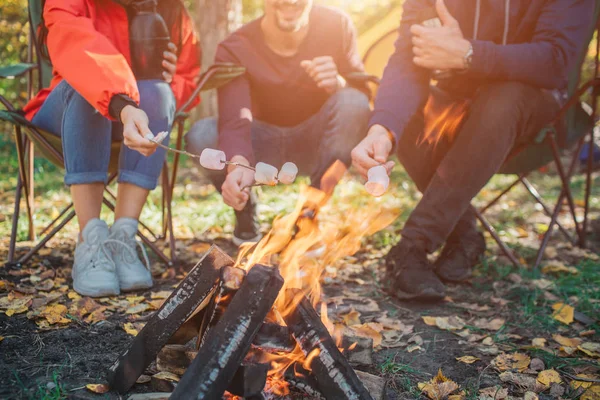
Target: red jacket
x=88 y=43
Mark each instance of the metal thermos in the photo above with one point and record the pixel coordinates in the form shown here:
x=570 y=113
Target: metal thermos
x=149 y=38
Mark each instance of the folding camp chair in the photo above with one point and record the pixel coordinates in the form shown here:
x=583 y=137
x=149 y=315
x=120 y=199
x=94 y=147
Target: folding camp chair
x=28 y=135
x=579 y=119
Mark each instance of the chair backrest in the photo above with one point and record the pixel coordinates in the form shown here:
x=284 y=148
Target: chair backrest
x=44 y=65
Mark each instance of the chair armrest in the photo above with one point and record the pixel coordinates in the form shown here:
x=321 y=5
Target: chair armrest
x=214 y=77
x=15 y=70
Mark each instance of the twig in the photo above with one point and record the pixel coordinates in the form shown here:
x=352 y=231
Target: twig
x=580 y=379
x=192 y=155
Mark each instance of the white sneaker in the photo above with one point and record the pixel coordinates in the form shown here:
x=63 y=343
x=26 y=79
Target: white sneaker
x=132 y=273
x=94 y=272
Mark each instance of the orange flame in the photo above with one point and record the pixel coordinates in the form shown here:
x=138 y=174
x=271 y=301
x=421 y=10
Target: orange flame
x=302 y=249
x=443 y=121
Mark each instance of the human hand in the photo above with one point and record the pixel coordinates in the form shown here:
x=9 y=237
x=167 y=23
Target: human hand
x=135 y=130
x=325 y=73
x=373 y=150
x=440 y=48
x=170 y=63
x=234 y=189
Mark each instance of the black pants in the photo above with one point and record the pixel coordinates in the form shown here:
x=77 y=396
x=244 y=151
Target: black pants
x=450 y=173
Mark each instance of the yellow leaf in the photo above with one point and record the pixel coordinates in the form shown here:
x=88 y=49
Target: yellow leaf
x=73 y=295
x=493 y=325
x=563 y=313
x=438 y=388
x=539 y=343
x=166 y=376
x=135 y=299
x=1 y=338
x=516 y=361
x=567 y=342
x=575 y=384
x=556 y=268
x=467 y=359
x=446 y=323
x=163 y=294
x=494 y=392
x=139 y=308
x=97 y=388
x=590 y=348
x=130 y=329
x=593 y=393
x=3 y=285
x=368 y=330
x=549 y=376
x=352 y=318
x=55 y=314
x=431 y=321
x=531 y=396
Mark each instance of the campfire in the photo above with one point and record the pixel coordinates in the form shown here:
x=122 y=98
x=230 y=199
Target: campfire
x=249 y=328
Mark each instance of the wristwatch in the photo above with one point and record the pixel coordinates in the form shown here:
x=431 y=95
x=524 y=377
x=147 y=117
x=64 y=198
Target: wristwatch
x=468 y=58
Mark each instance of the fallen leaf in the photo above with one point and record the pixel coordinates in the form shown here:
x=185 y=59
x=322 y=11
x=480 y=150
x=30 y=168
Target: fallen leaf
x=84 y=306
x=540 y=343
x=130 y=329
x=55 y=314
x=493 y=393
x=163 y=294
x=526 y=382
x=488 y=341
x=73 y=295
x=15 y=305
x=548 y=376
x=143 y=379
x=542 y=284
x=45 y=286
x=590 y=348
x=3 y=285
x=99 y=388
x=473 y=307
x=515 y=361
x=590 y=332
x=352 y=318
x=567 y=342
x=413 y=347
x=556 y=268
x=368 y=330
x=593 y=393
x=431 y=321
x=446 y=323
x=493 y=325
x=137 y=309
x=563 y=313
x=531 y=396
x=1 y=338
x=135 y=299
x=167 y=376
x=439 y=387
x=468 y=359
x=575 y=384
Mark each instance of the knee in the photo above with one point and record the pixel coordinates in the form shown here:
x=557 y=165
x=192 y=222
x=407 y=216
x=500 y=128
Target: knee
x=203 y=134
x=352 y=103
x=157 y=99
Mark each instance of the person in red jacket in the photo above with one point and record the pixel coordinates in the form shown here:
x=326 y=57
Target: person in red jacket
x=94 y=99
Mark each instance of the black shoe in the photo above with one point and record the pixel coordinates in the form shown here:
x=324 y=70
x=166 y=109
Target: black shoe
x=246 y=227
x=410 y=275
x=463 y=250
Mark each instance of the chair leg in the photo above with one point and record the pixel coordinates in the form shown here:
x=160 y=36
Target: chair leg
x=21 y=143
x=536 y=195
x=31 y=191
x=488 y=227
x=588 y=186
x=15 y=221
x=495 y=200
x=563 y=192
x=169 y=212
x=565 y=179
x=49 y=236
x=51 y=224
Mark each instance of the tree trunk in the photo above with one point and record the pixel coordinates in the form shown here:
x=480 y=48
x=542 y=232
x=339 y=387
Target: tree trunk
x=215 y=21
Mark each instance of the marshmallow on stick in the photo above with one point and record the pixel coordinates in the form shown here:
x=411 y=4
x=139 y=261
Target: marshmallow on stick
x=213 y=159
x=158 y=138
x=378 y=181
x=265 y=174
x=287 y=174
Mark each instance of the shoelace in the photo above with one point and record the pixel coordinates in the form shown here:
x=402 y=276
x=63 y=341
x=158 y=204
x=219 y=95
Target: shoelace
x=122 y=241
x=100 y=248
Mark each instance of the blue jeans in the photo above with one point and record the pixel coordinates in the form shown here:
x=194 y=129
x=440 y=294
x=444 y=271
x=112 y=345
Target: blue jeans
x=313 y=145
x=87 y=135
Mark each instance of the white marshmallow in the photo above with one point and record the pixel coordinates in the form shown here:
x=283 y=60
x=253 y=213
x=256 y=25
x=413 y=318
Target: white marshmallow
x=265 y=174
x=287 y=174
x=149 y=136
x=213 y=159
x=161 y=136
x=378 y=181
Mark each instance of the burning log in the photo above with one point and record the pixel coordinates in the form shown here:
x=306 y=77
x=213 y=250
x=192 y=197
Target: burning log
x=226 y=344
x=229 y=283
x=335 y=378
x=249 y=380
x=185 y=299
x=189 y=329
x=272 y=337
x=301 y=379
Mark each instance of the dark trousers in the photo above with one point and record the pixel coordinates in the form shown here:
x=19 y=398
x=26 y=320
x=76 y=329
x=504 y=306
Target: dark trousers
x=449 y=173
